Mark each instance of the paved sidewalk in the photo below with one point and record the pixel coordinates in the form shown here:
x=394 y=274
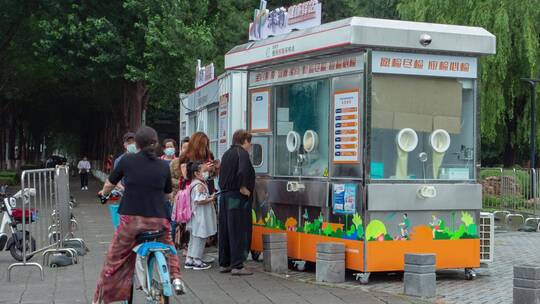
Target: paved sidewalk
x=76 y=283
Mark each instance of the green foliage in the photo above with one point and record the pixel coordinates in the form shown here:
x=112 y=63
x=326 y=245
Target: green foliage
x=360 y=233
x=504 y=98
x=280 y=225
x=351 y=230
x=338 y=233
x=388 y=237
x=327 y=230
x=8 y=173
x=467 y=218
x=8 y=180
x=316 y=226
x=375 y=229
x=131 y=40
x=64 y=63
x=307 y=227
x=357 y=220
x=471 y=230
x=442 y=235
x=456 y=235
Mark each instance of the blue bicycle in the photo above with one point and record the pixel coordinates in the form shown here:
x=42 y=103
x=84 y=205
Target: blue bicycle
x=151 y=267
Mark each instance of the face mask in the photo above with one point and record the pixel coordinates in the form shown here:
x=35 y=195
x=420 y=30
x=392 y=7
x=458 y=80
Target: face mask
x=131 y=148
x=206 y=175
x=170 y=151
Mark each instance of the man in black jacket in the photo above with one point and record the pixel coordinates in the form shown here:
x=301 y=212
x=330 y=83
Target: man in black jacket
x=237 y=180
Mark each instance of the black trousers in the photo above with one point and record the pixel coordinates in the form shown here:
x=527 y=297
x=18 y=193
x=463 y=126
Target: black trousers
x=234 y=235
x=84 y=179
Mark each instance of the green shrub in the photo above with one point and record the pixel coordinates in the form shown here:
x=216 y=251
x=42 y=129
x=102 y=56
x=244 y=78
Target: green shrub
x=10 y=181
x=8 y=173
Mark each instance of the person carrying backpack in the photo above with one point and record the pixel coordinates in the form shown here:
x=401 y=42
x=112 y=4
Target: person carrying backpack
x=203 y=221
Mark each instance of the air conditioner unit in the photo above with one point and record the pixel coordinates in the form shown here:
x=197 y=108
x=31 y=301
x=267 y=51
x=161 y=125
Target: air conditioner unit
x=487 y=237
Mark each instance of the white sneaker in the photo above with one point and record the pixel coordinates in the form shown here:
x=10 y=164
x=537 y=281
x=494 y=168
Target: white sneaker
x=82 y=189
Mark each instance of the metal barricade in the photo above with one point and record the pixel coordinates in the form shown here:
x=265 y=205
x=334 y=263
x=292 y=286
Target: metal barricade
x=46 y=197
x=514 y=196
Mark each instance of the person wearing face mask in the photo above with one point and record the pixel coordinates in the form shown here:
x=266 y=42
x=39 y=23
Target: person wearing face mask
x=169 y=150
x=128 y=141
x=203 y=222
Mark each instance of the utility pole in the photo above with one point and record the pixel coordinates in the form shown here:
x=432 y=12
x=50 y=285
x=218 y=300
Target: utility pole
x=532 y=82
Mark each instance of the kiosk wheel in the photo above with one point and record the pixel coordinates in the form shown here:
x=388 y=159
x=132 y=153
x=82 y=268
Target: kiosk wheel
x=255 y=255
x=362 y=277
x=470 y=274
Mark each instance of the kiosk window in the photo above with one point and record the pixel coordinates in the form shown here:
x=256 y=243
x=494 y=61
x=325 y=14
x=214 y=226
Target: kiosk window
x=349 y=83
x=422 y=128
x=213 y=129
x=256 y=155
x=192 y=126
x=301 y=124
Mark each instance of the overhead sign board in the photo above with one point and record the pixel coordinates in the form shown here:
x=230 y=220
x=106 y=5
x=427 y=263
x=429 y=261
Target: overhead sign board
x=308 y=69
x=424 y=64
x=203 y=74
x=282 y=21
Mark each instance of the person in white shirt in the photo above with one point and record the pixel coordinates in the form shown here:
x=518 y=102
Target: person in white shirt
x=84 y=170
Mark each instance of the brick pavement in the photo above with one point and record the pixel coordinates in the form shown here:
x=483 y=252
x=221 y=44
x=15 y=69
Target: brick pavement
x=493 y=284
x=76 y=283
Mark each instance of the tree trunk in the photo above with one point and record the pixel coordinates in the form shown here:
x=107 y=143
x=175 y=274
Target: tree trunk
x=135 y=101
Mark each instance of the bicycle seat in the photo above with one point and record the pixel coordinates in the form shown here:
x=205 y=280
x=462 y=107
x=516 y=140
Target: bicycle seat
x=149 y=236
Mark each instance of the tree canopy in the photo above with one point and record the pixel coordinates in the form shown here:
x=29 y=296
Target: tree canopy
x=79 y=74
x=505 y=105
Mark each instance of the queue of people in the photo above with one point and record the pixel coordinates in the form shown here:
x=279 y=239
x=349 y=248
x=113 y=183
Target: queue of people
x=179 y=194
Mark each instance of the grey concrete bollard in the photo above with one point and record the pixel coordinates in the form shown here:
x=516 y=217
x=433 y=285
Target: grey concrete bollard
x=330 y=265
x=420 y=278
x=526 y=284
x=275 y=252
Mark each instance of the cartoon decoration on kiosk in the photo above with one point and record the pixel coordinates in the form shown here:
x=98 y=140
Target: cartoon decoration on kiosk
x=406 y=140
x=440 y=142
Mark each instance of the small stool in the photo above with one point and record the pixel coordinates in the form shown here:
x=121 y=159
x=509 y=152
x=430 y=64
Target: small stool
x=330 y=265
x=419 y=278
x=526 y=284
x=275 y=252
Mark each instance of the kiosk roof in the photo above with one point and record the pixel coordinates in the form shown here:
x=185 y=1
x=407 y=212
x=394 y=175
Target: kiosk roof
x=357 y=33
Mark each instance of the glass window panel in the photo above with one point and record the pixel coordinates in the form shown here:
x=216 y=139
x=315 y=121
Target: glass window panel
x=213 y=129
x=423 y=104
x=301 y=107
x=192 y=128
x=346 y=83
x=256 y=155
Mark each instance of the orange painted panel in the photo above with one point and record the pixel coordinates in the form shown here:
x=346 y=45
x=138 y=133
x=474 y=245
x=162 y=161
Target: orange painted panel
x=303 y=246
x=293 y=243
x=389 y=255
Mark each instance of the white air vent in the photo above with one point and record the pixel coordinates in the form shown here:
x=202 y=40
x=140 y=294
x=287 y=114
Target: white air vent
x=487 y=237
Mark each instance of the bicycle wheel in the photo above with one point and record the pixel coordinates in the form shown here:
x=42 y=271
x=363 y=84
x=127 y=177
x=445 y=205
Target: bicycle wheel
x=160 y=289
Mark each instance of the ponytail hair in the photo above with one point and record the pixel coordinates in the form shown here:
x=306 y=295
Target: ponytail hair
x=147 y=140
x=193 y=167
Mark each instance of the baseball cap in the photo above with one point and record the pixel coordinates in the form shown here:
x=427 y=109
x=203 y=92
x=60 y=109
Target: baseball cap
x=128 y=136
